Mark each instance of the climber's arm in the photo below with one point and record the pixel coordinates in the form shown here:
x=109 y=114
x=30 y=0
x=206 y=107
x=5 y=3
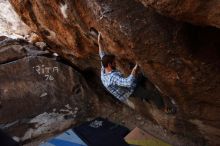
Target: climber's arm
x=101 y=51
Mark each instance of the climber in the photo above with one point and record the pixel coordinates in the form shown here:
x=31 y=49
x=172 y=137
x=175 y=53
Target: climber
x=124 y=87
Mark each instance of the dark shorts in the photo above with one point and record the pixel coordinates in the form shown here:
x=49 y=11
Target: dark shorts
x=148 y=94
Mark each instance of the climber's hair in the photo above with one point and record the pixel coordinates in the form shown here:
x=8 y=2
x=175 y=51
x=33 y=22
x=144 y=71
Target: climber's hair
x=107 y=59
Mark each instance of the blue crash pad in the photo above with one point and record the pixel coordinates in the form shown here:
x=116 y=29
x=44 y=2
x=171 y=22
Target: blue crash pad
x=68 y=138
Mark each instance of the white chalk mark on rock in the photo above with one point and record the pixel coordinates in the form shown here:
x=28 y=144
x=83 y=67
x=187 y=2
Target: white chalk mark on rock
x=43 y=94
x=68 y=107
x=63 y=9
x=55 y=54
x=46 y=71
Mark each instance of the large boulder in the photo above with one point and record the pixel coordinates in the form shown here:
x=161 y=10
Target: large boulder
x=14 y=49
x=181 y=60
x=34 y=85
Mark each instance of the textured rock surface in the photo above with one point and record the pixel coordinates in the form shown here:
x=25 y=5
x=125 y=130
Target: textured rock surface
x=32 y=85
x=43 y=84
x=10 y=23
x=180 y=59
x=194 y=11
x=14 y=49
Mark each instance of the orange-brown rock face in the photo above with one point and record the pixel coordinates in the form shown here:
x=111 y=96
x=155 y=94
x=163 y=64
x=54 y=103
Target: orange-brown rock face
x=180 y=59
x=195 y=11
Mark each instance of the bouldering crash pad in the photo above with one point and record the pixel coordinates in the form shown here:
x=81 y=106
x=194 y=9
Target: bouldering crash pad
x=139 y=137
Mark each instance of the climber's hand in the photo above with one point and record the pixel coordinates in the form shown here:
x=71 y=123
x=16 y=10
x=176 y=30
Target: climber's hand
x=99 y=36
x=135 y=69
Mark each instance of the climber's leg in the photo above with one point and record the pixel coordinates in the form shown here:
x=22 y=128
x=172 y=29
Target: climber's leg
x=141 y=93
x=157 y=99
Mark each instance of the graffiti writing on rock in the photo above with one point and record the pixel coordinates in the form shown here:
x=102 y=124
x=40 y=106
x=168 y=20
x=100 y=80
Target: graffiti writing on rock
x=46 y=71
